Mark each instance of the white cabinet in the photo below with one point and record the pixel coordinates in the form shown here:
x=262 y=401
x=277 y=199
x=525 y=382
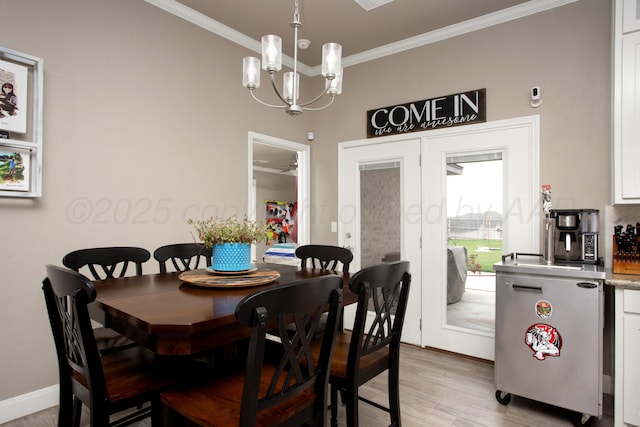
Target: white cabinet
x=627 y=358
x=629 y=143
x=630 y=15
x=626 y=104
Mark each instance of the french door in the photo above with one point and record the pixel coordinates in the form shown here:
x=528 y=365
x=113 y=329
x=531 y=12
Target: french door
x=484 y=180
x=380 y=214
x=476 y=193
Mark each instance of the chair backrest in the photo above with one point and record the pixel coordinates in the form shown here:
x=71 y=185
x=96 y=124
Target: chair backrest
x=382 y=289
x=273 y=310
x=67 y=294
x=183 y=256
x=103 y=262
x=325 y=257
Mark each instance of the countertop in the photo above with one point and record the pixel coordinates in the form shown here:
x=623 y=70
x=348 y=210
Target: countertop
x=627 y=281
x=530 y=264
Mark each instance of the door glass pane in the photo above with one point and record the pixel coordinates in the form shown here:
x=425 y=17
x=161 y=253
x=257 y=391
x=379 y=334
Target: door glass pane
x=474 y=238
x=380 y=213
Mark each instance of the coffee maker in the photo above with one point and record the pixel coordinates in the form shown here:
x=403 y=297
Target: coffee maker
x=576 y=235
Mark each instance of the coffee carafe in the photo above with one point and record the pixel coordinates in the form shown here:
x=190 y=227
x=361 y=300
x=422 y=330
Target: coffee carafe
x=568 y=245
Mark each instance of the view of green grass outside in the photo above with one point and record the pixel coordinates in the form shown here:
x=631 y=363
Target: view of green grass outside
x=486 y=253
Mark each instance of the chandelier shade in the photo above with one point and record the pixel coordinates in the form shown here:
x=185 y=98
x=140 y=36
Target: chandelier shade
x=251 y=73
x=331 y=59
x=290 y=93
x=271 y=53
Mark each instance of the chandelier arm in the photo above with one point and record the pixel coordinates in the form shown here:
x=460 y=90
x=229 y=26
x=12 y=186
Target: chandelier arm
x=264 y=103
x=317 y=98
x=275 y=88
x=320 y=108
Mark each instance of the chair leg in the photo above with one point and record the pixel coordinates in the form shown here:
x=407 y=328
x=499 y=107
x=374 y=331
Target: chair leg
x=334 y=406
x=351 y=397
x=65 y=409
x=394 y=394
x=77 y=412
x=156 y=413
x=98 y=418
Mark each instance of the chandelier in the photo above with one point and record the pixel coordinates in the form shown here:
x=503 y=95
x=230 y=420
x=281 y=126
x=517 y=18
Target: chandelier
x=272 y=63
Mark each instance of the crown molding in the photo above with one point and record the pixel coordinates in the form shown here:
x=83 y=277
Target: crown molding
x=181 y=11
x=515 y=12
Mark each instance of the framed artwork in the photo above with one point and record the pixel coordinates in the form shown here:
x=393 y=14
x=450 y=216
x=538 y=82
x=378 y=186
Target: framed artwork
x=21 y=89
x=280 y=220
x=15 y=169
x=13 y=97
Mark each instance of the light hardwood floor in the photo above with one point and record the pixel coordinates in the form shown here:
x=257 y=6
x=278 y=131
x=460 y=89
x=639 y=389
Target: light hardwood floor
x=437 y=389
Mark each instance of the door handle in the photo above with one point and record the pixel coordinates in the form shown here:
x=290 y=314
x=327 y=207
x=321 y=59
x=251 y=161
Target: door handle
x=527 y=288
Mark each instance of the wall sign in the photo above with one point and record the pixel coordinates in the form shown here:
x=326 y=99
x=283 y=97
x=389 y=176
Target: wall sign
x=444 y=111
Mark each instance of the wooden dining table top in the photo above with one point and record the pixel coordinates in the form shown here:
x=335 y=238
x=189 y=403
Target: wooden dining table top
x=172 y=317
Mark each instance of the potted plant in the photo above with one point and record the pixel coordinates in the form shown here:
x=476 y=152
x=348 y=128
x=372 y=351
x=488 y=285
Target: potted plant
x=230 y=240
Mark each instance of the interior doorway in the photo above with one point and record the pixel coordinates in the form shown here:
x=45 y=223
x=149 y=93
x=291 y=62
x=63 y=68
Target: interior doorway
x=279 y=173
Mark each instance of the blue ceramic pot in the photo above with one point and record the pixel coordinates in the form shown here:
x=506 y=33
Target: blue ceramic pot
x=231 y=257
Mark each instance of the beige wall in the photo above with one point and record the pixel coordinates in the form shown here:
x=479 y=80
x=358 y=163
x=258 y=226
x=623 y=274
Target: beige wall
x=145 y=125
x=566 y=51
x=144 y=111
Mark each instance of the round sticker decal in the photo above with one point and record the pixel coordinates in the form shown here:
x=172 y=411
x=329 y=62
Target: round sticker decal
x=544 y=340
x=543 y=309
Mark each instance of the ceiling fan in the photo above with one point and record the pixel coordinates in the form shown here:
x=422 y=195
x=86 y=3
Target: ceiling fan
x=293 y=166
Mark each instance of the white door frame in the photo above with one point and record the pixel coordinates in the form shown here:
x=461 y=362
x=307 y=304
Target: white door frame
x=519 y=139
x=303 y=191
x=353 y=154
x=531 y=231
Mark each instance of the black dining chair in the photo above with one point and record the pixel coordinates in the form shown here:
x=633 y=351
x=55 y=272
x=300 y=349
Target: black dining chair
x=108 y=263
x=325 y=257
x=283 y=384
x=328 y=258
x=183 y=256
x=104 y=263
x=128 y=380
x=368 y=351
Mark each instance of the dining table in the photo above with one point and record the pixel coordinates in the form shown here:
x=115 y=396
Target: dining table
x=173 y=315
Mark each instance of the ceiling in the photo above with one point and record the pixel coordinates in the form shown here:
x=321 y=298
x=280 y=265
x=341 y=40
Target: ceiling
x=272 y=159
x=364 y=35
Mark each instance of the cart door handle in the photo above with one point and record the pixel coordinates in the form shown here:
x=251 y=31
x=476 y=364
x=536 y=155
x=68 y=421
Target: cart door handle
x=528 y=288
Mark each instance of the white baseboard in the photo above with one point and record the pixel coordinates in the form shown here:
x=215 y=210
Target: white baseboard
x=28 y=403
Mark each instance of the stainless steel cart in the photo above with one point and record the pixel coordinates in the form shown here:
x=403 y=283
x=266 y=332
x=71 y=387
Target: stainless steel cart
x=548 y=338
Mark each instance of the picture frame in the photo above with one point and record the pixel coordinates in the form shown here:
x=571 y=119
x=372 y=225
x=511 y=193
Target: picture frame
x=15 y=169
x=14 y=108
x=21 y=125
